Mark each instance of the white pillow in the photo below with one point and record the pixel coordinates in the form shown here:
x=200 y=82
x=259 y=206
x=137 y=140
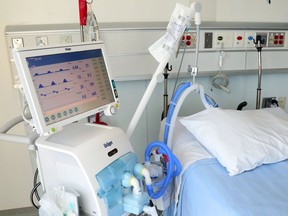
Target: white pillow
x=241 y=140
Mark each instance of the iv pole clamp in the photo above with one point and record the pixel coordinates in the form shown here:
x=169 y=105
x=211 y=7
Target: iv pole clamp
x=259 y=45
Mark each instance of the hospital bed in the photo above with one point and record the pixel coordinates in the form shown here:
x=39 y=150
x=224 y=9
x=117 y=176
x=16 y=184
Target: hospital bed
x=205 y=187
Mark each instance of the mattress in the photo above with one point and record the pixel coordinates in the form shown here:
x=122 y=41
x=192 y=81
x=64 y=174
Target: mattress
x=207 y=190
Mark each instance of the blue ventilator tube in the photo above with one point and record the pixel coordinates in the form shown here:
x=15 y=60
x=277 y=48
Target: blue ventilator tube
x=172 y=107
x=174 y=167
x=173 y=103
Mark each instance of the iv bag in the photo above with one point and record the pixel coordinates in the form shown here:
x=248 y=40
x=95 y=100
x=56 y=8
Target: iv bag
x=91 y=30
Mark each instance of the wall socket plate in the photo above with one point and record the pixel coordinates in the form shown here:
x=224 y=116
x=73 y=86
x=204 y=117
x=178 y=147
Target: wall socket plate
x=42 y=41
x=64 y=39
x=268 y=102
x=282 y=102
x=17 y=42
x=272 y=102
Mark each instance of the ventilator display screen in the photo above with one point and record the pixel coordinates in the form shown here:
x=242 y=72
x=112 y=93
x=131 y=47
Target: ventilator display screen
x=65 y=82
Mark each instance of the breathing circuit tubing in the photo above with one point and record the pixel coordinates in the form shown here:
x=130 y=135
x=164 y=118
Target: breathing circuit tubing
x=171 y=171
x=177 y=94
x=178 y=98
x=174 y=166
x=173 y=162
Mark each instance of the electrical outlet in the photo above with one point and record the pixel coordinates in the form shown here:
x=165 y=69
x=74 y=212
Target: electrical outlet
x=268 y=102
x=282 y=102
x=17 y=42
x=208 y=43
x=64 y=39
x=42 y=41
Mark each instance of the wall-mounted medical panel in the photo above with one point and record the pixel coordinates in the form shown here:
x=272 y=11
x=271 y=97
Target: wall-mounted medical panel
x=127 y=46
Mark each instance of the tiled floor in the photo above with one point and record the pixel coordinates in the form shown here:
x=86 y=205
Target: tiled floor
x=29 y=211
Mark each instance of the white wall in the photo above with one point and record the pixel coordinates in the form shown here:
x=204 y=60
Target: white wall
x=15 y=167
x=252 y=11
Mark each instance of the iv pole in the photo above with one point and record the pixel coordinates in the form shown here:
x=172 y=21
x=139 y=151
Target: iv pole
x=258 y=44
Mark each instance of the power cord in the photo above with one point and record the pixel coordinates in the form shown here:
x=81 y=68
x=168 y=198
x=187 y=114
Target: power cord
x=25 y=118
x=35 y=190
x=35 y=183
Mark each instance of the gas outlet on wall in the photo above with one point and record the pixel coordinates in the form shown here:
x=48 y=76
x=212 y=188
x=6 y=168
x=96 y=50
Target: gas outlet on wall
x=249 y=36
x=223 y=39
x=239 y=39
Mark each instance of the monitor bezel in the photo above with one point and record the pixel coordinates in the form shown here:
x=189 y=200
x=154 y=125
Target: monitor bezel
x=20 y=56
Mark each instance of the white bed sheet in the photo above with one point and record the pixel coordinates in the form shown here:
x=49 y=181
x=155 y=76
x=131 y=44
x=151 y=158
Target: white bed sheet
x=187 y=149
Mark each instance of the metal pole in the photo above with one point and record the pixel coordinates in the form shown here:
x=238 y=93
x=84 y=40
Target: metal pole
x=82 y=33
x=258 y=99
x=258 y=44
x=165 y=95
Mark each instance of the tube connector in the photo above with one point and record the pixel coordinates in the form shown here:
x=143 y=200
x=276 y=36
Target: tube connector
x=130 y=180
x=136 y=186
x=143 y=171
